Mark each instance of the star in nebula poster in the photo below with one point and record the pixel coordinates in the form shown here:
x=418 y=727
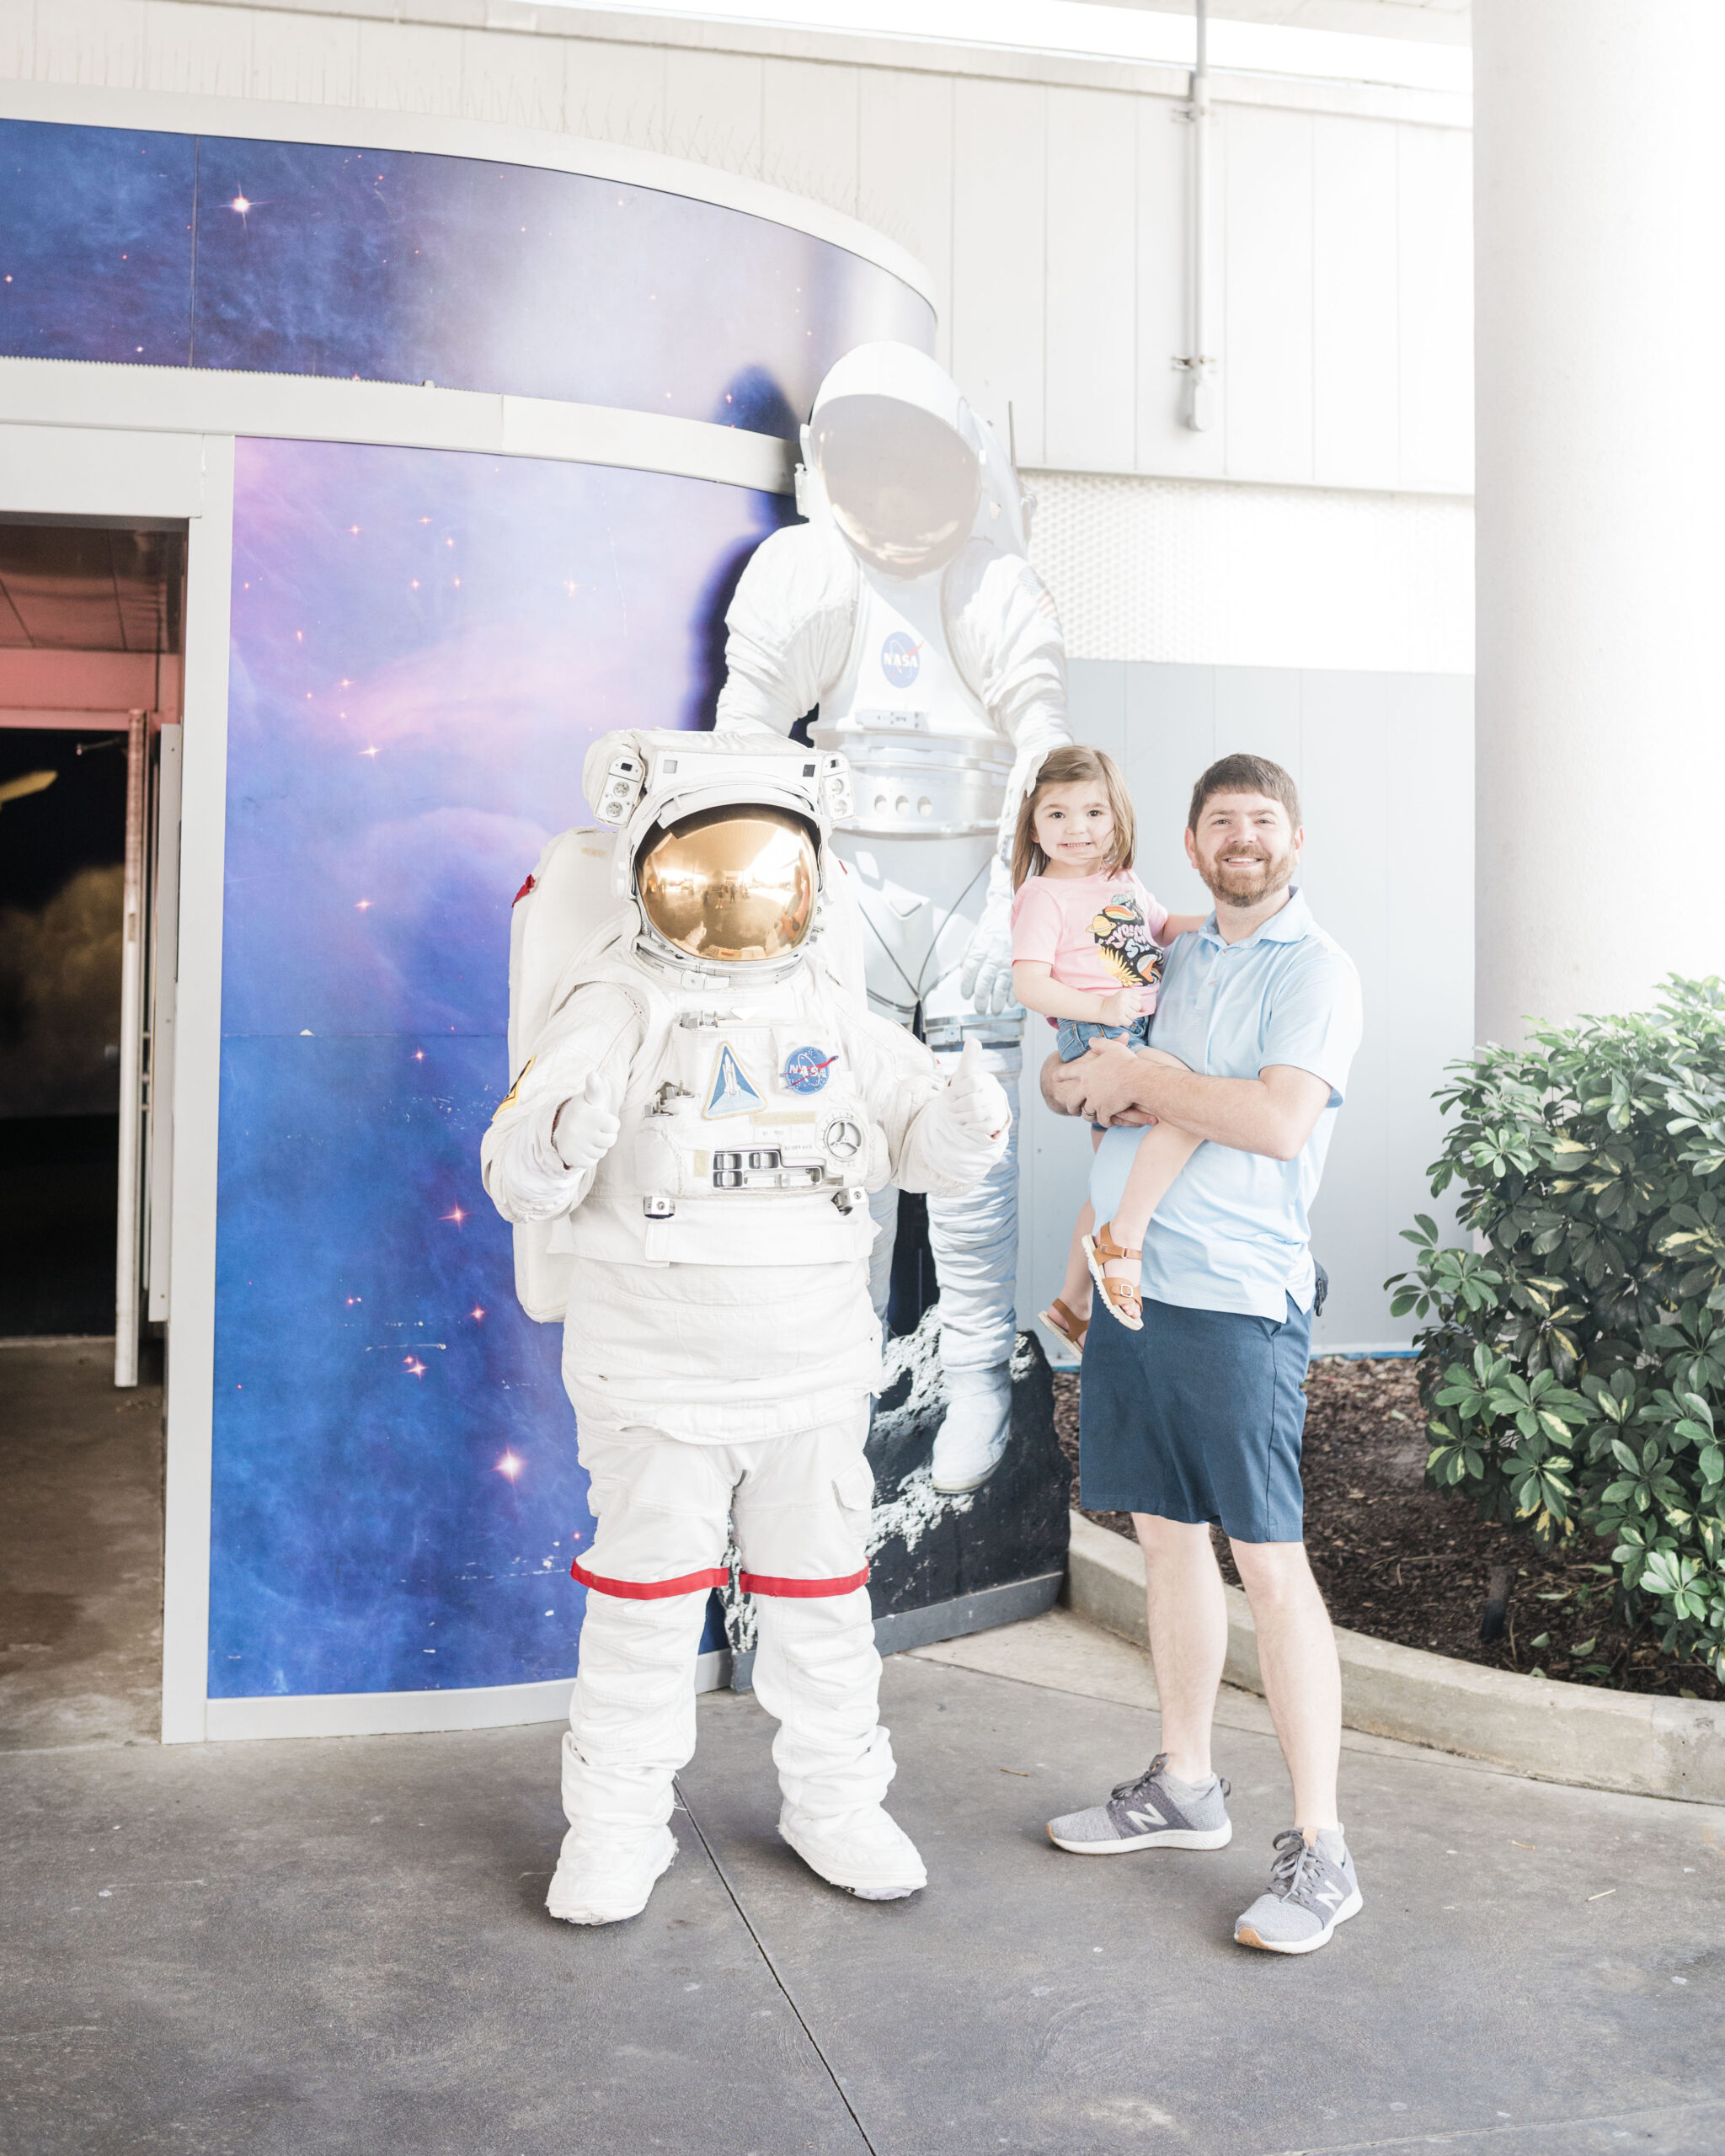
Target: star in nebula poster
x=424 y=644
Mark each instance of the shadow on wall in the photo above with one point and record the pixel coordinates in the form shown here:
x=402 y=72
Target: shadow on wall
x=755 y=400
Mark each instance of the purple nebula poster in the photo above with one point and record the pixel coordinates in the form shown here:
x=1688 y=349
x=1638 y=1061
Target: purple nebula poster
x=423 y=643
x=401 y=265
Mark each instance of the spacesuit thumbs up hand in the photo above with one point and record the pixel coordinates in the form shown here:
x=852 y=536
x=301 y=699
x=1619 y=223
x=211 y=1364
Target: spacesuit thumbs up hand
x=585 y=1129
x=977 y=1101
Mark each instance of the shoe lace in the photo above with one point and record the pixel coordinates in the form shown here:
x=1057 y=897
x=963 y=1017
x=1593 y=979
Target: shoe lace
x=1143 y=1782
x=1296 y=1870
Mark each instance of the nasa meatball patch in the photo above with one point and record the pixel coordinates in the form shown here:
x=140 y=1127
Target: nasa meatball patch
x=806 y=1069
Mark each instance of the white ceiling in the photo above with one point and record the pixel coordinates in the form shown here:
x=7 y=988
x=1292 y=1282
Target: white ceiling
x=1434 y=22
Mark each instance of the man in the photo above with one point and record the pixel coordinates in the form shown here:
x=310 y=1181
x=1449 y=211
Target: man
x=1198 y=1418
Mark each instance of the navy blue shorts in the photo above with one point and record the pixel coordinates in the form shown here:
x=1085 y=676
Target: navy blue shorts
x=1198 y=1417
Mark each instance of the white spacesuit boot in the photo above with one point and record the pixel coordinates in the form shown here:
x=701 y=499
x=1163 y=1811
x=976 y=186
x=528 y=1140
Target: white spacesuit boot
x=817 y=1670
x=906 y=610
x=687 y=1154
x=631 y=1726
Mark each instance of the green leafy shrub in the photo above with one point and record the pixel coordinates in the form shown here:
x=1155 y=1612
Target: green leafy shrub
x=1573 y=1361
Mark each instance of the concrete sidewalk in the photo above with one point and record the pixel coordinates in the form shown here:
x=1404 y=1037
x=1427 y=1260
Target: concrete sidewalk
x=338 y=1946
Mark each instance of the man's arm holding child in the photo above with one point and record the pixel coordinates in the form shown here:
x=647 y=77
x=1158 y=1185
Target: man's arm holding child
x=1275 y=1114
x=1310 y=1032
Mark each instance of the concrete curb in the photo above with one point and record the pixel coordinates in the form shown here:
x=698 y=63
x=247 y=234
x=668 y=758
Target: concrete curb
x=1575 y=1733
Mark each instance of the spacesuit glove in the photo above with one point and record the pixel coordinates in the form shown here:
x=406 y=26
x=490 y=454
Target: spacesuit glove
x=585 y=1129
x=986 y=974
x=975 y=1099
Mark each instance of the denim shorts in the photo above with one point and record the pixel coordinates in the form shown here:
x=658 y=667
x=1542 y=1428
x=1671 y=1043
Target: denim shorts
x=1075 y=1035
x=1198 y=1417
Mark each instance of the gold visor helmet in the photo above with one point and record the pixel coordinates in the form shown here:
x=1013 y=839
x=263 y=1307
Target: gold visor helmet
x=731 y=886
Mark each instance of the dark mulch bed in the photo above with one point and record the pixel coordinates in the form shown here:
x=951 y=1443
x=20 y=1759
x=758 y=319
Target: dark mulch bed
x=1403 y=1562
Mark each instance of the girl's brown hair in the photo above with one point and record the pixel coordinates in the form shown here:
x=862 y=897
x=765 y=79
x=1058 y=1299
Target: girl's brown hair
x=1071 y=766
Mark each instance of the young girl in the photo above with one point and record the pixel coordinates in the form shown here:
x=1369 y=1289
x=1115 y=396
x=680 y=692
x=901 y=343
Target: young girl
x=1087 y=952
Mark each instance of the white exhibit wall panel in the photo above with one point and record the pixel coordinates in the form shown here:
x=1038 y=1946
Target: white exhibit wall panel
x=1050 y=204
x=1222 y=573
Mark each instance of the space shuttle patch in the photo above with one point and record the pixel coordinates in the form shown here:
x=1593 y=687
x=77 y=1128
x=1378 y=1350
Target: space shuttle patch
x=509 y=1099
x=733 y=1092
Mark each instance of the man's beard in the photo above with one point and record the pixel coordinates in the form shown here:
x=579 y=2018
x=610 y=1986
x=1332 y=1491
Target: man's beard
x=1247 y=883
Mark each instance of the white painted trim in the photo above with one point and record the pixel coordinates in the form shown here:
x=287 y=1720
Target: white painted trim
x=70 y=471
x=257 y=120
x=64 y=469
x=387 y=1714
x=197 y=1085
x=403 y=1714
x=202 y=401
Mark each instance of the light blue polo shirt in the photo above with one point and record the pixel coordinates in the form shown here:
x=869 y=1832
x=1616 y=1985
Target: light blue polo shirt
x=1231 y=1234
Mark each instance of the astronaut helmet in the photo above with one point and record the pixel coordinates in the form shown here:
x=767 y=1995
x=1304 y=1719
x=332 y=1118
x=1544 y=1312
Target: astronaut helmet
x=907 y=471
x=721 y=845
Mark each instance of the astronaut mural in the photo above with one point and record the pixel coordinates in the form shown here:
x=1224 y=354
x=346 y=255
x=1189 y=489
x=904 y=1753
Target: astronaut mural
x=904 y=613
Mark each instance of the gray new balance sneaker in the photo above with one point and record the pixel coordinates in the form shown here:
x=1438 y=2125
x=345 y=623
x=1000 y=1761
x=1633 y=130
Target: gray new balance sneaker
x=1154 y=1812
x=1311 y=1891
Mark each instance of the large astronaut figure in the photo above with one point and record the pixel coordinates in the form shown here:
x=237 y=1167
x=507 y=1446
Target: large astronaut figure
x=905 y=609
x=689 y=1152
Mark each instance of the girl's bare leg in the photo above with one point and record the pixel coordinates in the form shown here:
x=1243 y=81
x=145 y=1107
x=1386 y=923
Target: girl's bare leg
x=1161 y=1153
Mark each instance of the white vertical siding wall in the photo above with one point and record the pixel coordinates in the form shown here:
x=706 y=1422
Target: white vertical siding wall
x=905 y=141
x=1053 y=216
x=998 y=305
x=1090 y=292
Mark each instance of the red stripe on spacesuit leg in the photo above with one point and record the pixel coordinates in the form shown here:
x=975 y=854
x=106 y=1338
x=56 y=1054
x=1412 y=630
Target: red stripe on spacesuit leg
x=650 y=1590
x=764 y=1583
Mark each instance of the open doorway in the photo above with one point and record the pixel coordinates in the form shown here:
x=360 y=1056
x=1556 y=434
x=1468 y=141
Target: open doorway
x=91 y=640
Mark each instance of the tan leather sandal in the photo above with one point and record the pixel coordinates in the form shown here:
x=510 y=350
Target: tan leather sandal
x=1059 y=1319
x=1122 y=1296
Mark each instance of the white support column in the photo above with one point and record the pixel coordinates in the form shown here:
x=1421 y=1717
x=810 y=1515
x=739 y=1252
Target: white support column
x=1599 y=228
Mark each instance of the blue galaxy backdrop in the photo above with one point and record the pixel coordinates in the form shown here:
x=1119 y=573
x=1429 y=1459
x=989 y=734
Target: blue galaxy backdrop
x=423 y=645
x=297 y=258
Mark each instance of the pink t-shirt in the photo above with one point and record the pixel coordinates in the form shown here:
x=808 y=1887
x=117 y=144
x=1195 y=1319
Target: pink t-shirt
x=1096 y=933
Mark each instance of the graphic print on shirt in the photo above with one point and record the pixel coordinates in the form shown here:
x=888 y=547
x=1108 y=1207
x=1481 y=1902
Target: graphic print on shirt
x=1124 y=943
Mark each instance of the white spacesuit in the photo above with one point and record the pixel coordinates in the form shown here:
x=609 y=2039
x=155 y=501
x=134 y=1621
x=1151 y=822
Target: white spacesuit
x=688 y=1153
x=905 y=609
